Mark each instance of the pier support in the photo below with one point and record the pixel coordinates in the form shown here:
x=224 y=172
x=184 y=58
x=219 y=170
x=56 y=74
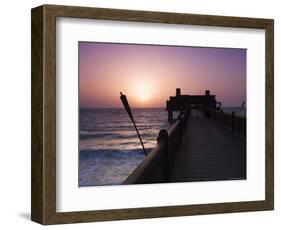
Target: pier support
x=170 y=115
x=164 y=137
x=233 y=121
x=221 y=117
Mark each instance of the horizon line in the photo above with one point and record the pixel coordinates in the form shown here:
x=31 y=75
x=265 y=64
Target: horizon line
x=149 y=107
x=152 y=107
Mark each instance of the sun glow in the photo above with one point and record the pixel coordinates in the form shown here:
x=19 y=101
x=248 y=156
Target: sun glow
x=143 y=91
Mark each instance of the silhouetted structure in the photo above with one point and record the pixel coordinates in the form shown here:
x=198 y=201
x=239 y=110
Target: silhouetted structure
x=203 y=144
x=196 y=148
x=187 y=102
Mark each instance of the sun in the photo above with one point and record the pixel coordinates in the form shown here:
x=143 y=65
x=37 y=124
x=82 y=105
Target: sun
x=143 y=91
x=143 y=98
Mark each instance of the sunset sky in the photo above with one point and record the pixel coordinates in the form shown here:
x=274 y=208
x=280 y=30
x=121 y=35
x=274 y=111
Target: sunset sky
x=149 y=74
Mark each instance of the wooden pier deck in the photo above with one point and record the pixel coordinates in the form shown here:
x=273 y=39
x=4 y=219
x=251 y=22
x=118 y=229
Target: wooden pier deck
x=209 y=152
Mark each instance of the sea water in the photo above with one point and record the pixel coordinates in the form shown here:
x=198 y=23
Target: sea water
x=109 y=146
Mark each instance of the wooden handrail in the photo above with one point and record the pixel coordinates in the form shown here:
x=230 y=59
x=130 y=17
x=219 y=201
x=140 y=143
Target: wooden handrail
x=235 y=122
x=158 y=165
x=145 y=164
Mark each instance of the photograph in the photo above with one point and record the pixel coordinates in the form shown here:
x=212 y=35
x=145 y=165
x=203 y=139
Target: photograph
x=149 y=114
x=161 y=113
x=141 y=114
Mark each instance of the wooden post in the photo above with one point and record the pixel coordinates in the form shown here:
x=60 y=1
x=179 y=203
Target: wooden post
x=182 y=128
x=233 y=121
x=170 y=115
x=164 y=137
x=221 y=117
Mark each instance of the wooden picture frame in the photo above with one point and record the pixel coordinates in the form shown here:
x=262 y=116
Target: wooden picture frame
x=43 y=189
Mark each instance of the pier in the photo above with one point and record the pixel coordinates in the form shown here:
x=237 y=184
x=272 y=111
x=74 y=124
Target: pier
x=203 y=144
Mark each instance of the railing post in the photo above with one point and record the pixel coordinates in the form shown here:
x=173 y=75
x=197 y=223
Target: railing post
x=164 y=137
x=232 y=121
x=170 y=115
x=238 y=125
x=221 y=117
x=184 y=125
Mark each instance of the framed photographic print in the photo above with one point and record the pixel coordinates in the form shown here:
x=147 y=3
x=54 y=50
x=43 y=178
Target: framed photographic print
x=140 y=114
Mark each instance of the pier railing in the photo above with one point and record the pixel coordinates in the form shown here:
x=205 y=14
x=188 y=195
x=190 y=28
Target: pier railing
x=158 y=165
x=232 y=121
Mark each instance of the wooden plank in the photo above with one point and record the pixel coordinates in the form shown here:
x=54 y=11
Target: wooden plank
x=210 y=152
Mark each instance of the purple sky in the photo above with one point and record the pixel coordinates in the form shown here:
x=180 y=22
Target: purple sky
x=149 y=74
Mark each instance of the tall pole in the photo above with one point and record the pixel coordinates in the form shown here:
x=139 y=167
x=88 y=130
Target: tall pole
x=128 y=110
x=242 y=107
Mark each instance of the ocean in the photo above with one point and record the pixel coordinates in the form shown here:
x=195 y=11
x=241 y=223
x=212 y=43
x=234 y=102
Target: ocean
x=109 y=147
